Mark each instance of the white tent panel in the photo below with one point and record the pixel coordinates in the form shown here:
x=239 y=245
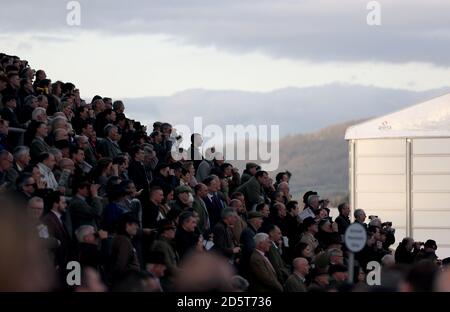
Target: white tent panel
x=400 y=233
x=431 y=201
x=380 y=180
x=430 y=164
x=430 y=204
x=377 y=165
x=400 y=170
x=431 y=182
x=381 y=201
x=381 y=147
x=381 y=183
x=431 y=219
x=427 y=119
x=430 y=146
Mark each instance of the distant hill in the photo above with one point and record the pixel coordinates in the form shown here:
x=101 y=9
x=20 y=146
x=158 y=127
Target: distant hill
x=295 y=110
x=318 y=161
x=317 y=158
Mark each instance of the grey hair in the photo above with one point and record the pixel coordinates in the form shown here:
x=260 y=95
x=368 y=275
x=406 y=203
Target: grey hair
x=20 y=151
x=375 y=222
x=37 y=111
x=311 y=197
x=108 y=128
x=148 y=148
x=283 y=183
x=227 y=212
x=59 y=114
x=78 y=138
x=82 y=231
x=358 y=212
x=54 y=151
x=29 y=99
x=278 y=205
x=233 y=202
x=297 y=260
x=58 y=119
x=260 y=237
x=35 y=199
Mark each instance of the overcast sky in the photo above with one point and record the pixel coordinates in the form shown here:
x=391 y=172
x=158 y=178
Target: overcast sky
x=154 y=48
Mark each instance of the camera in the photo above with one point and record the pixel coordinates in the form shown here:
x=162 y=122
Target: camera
x=387 y=226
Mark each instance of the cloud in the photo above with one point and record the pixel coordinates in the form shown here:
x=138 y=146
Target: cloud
x=316 y=30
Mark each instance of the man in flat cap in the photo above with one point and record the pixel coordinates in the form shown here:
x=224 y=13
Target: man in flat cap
x=156 y=266
x=183 y=198
x=249 y=172
x=165 y=245
x=310 y=229
x=254 y=222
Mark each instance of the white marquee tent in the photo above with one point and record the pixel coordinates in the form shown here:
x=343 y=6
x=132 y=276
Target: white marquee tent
x=400 y=170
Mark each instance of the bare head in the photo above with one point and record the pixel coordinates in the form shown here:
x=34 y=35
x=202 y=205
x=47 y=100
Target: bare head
x=301 y=266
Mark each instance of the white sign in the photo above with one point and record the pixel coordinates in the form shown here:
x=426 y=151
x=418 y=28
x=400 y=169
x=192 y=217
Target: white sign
x=355 y=237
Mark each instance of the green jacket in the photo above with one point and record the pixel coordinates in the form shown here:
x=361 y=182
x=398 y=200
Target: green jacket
x=279 y=265
x=245 y=177
x=108 y=148
x=294 y=284
x=253 y=192
x=37 y=147
x=200 y=208
x=166 y=246
x=82 y=213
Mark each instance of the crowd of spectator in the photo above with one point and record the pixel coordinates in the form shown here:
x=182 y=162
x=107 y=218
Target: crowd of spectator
x=140 y=214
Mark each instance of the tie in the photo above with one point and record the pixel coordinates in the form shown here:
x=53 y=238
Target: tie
x=277 y=249
x=217 y=201
x=207 y=225
x=63 y=226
